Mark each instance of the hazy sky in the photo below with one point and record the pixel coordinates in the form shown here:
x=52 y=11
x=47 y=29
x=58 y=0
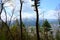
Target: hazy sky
x=49 y=6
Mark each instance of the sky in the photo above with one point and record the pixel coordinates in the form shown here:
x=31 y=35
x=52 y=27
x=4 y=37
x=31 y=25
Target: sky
x=49 y=4
x=48 y=7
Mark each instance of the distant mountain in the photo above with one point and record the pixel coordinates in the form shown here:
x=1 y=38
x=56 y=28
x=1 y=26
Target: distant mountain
x=32 y=22
x=53 y=21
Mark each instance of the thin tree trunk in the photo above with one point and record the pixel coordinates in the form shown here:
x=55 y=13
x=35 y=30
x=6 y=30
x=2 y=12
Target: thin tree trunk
x=37 y=20
x=21 y=18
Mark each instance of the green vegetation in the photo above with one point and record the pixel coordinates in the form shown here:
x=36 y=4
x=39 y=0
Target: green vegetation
x=26 y=35
x=18 y=31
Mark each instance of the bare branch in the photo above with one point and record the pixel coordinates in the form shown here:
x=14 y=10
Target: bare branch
x=5 y=14
x=11 y=16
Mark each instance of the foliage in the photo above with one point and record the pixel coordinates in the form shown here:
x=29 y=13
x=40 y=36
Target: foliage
x=47 y=25
x=58 y=35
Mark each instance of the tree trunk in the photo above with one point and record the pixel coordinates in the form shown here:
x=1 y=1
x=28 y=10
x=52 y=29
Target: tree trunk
x=21 y=19
x=37 y=20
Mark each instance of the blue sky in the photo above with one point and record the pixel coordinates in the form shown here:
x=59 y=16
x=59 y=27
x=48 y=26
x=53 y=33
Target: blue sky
x=48 y=6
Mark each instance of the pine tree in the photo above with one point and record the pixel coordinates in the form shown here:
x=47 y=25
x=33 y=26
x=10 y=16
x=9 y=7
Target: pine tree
x=47 y=27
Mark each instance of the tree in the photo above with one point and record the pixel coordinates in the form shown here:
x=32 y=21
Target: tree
x=15 y=32
x=58 y=17
x=58 y=35
x=21 y=4
x=2 y=2
x=47 y=27
x=58 y=13
x=36 y=4
x=5 y=31
x=17 y=22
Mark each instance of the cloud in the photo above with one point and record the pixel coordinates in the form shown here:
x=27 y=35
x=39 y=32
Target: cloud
x=51 y=14
x=28 y=15
x=28 y=11
x=9 y=4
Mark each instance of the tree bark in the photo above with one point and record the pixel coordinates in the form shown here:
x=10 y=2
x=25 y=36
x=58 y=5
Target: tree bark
x=37 y=20
x=21 y=17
